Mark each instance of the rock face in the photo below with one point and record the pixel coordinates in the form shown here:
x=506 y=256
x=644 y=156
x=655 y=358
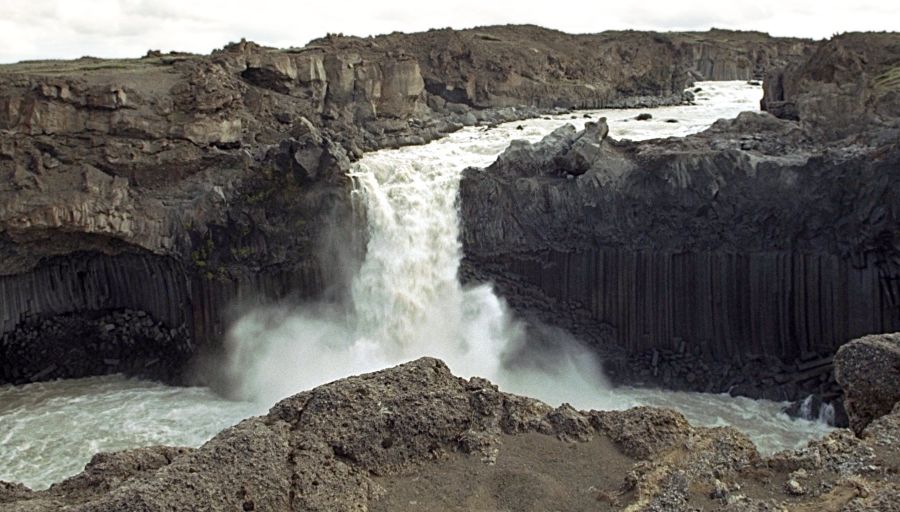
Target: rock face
x=179 y=184
x=868 y=369
x=740 y=258
x=730 y=55
x=364 y=442
x=848 y=86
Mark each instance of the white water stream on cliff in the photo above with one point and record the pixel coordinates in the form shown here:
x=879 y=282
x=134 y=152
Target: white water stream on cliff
x=406 y=302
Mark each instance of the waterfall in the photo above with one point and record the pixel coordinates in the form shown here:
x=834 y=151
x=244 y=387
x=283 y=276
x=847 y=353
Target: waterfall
x=406 y=300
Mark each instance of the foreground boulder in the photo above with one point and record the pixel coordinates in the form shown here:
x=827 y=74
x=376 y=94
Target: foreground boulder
x=868 y=369
x=416 y=437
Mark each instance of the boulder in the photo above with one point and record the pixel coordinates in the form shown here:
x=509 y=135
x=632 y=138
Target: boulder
x=585 y=149
x=868 y=369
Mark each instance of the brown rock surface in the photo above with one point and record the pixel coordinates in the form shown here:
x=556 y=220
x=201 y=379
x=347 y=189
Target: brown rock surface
x=868 y=369
x=415 y=437
x=849 y=85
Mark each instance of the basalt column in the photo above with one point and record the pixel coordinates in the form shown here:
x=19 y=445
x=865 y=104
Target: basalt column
x=727 y=260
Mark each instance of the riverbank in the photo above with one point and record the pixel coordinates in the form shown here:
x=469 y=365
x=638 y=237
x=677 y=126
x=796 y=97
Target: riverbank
x=416 y=437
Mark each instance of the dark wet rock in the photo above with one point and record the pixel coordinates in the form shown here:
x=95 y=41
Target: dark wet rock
x=645 y=116
x=828 y=409
x=685 y=232
x=94 y=343
x=868 y=369
x=657 y=252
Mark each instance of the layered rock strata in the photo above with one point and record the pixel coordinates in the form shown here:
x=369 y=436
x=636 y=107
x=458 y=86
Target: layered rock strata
x=850 y=86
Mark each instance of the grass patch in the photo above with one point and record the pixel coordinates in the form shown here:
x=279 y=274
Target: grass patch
x=888 y=80
x=58 y=67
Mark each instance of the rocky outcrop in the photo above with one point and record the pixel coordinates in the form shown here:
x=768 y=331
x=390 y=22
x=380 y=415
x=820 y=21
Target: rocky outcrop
x=868 y=369
x=414 y=436
x=95 y=343
x=737 y=259
x=848 y=86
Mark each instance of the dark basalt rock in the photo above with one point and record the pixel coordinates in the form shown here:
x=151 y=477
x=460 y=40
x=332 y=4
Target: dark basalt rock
x=730 y=260
x=868 y=369
x=94 y=343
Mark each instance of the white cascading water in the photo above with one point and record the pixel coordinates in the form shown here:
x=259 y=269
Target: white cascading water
x=406 y=302
x=406 y=298
x=825 y=413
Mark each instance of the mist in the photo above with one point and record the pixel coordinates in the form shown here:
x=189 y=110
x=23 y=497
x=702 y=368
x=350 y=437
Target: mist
x=276 y=351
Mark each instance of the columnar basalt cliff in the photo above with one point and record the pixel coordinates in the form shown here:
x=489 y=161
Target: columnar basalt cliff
x=177 y=185
x=415 y=437
x=736 y=259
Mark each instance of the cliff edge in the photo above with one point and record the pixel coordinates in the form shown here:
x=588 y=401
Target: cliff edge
x=170 y=188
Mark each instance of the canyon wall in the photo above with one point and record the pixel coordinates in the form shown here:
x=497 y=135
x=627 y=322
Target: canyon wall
x=849 y=86
x=730 y=55
x=178 y=185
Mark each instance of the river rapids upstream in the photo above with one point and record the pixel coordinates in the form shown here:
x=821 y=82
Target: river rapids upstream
x=404 y=302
